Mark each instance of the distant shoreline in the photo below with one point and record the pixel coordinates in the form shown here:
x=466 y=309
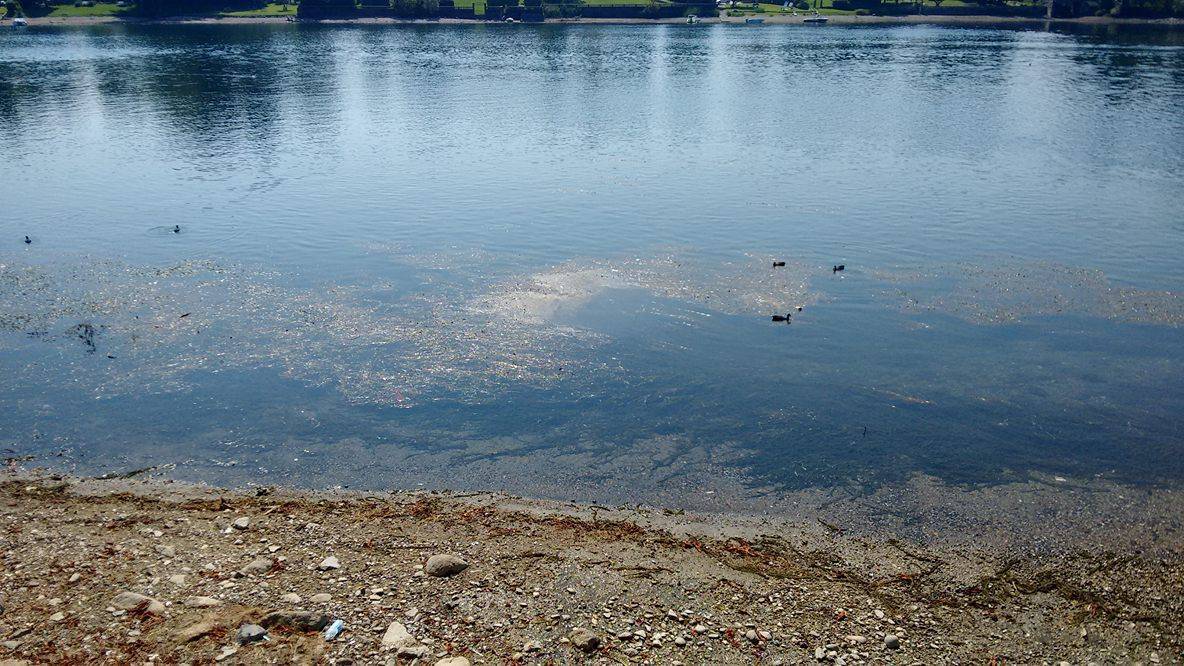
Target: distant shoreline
x=915 y=19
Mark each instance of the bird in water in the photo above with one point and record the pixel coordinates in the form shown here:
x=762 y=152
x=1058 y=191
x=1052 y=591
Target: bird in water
x=778 y=264
x=176 y=228
x=784 y=318
x=28 y=240
x=838 y=268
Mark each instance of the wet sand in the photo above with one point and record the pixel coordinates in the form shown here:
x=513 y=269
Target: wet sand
x=545 y=582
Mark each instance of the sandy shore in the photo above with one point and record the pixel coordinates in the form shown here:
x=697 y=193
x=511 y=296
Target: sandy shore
x=127 y=571
x=768 y=19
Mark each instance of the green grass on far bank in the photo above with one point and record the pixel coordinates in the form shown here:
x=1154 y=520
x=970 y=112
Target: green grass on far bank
x=827 y=10
x=99 y=9
x=271 y=9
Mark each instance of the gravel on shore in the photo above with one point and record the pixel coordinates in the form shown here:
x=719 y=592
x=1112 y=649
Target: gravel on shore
x=122 y=571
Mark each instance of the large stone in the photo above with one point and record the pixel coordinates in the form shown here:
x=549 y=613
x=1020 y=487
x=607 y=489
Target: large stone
x=445 y=565
x=196 y=631
x=584 y=640
x=453 y=661
x=397 y=636
x=258 y=567
x=131 y=601
x=296 y=620
x=241 y=523
x=202 y=602
x=329 y=563
x=249 y=633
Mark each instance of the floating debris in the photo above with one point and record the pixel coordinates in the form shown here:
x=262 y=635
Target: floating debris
x=1012 y=292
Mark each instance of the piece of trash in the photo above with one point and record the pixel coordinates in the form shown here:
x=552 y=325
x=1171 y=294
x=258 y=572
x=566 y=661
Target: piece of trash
x=28 y=240
x=185 y=315
x=332 y=630
x=778 y=264
x=839 y=267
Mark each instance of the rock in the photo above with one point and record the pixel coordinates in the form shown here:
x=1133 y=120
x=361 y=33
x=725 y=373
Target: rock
x=57 y=617
x=397 y=636
x=329 y=563
x=241 y=523
x=196 y=631
x=751 y=635
x=453 y=661
x=202 y=602
x=414 y=651
x=444 y=565
x=178 y=580
x=249 y=633
x=891 y=642
x=258 y=567
x=296 y=620
x=226 y=652
x=584 y=640
x=820 y=654
x=291 y=598
x=321 y=598
x=166 y=551
x=74 y=578
x=130 y=600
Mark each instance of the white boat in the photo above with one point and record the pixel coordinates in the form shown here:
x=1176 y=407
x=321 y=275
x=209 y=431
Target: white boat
x=815 y=19
x=20 y=22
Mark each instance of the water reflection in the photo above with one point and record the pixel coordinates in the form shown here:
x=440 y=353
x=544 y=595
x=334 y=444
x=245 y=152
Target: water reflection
x=475 y=255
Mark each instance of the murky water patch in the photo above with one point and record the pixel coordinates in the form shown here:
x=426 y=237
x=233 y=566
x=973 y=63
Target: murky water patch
x=749 y=285
x=158 y=328
x=1015 y=291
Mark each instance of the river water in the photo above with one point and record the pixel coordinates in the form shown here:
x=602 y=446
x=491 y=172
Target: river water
x=540 y=258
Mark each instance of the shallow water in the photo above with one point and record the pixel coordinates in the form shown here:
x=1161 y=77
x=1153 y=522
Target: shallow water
x=539 y=258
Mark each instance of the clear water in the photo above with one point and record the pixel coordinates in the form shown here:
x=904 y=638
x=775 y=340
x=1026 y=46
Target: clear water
x=538 y=258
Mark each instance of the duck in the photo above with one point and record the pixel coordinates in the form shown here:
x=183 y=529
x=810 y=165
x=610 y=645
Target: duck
x=28 y=240
x=176 y=228
x=838 y=268
x=783 y=317
x=778 y=264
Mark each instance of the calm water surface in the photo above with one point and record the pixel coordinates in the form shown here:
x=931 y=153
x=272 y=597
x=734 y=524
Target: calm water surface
x=538 y=259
